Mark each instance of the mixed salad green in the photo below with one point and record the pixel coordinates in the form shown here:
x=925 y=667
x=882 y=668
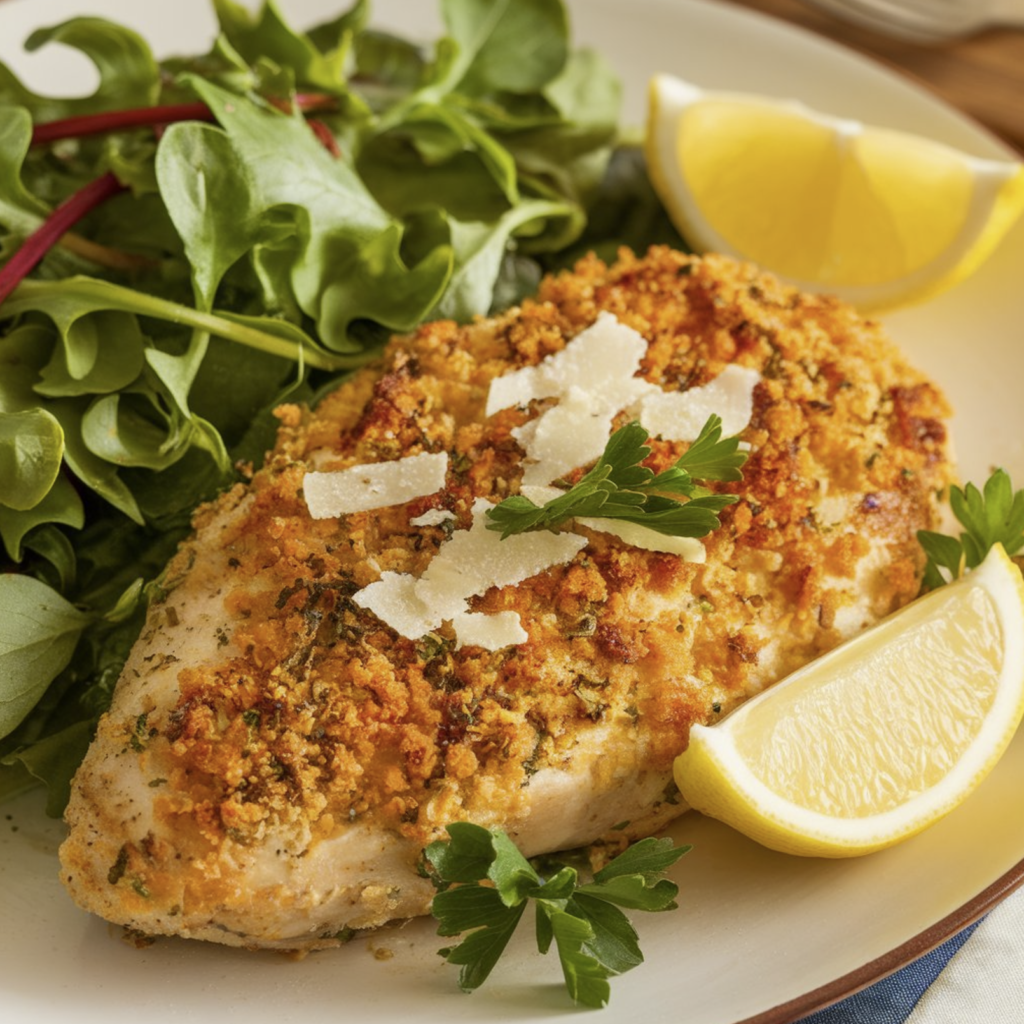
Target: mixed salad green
x=204 y=237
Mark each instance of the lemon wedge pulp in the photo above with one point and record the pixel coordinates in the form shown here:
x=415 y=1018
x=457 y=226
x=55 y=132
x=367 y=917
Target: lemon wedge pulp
x=879 y=738
x=878 y=217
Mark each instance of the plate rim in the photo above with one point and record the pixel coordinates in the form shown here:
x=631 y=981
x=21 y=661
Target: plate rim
x=900 y=956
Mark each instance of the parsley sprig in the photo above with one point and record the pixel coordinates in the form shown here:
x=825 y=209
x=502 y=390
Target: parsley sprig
x=993 y=515
x=485 y=884
x=620 y=487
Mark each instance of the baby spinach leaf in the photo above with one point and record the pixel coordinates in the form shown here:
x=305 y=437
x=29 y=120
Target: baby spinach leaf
x=441 y=131
x=20 y=211
x=229 y=392
x=93 y=471
x=122 y=57
x=267 y=35
x=100 y=353
x=38 y=633
x=59 y=565
x=199 y=173
x=506 y=45
x=388 y=68
x=133 y=428
x=166 y=499
x=462 y=187
x=353 y=21
x=61 y=504
x=623 y=211
x=479 y=251
x=24 y=352
x=31 y=446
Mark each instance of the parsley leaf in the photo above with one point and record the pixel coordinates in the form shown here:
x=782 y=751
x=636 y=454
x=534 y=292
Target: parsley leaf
x=484 y=885
x=993 y=515
x=620 y=487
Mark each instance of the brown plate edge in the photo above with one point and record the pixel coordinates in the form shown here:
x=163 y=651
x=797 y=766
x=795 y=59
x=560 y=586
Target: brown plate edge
x=904 y=954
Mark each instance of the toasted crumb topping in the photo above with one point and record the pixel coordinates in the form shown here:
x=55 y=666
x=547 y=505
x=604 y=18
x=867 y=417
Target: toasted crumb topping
x=318 y=709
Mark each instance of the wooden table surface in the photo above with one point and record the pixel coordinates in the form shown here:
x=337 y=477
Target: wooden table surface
x=982 y=75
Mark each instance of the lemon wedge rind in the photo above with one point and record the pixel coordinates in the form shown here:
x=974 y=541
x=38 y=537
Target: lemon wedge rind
x=716 y=776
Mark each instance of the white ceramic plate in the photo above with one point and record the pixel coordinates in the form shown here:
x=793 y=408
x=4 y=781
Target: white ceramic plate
x=758 y=936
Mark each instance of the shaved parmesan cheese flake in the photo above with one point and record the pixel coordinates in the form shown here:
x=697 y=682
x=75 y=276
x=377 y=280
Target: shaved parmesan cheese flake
x=690 y=549
x=679 y=415
x=593 y=378
x=492 y=632
x=468 y=564
x=477 y=559
x=570 y=434
x=374 y=485
x=601 y=360
x=432 y=517
x=393 y=600
x=520 y=387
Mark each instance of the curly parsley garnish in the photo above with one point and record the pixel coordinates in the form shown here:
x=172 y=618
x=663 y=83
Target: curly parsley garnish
x=620 y=487
x=485 y=884
x=993 y=515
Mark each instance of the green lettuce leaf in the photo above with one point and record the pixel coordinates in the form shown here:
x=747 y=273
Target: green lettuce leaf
x=39 y=634
x=513 y=46
x=122 y=57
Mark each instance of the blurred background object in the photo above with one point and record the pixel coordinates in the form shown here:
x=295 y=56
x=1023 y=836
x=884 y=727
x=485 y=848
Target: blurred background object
x=927 y=21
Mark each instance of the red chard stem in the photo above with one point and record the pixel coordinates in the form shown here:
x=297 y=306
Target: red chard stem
x=50 y=232
x=147 y=117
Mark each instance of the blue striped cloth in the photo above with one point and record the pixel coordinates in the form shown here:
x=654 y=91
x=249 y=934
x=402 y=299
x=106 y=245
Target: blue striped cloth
x=973 y=978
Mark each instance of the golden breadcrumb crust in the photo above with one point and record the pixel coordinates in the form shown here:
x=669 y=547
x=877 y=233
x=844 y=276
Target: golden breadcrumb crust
x=314 y=712
x=337 y=713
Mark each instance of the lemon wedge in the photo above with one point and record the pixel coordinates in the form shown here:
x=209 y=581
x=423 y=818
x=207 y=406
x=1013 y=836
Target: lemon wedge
x=879 y=738
x=878 y=217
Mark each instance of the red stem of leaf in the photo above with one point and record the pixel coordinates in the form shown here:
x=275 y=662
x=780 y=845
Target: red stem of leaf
x=39 y=243
x=325 y=135
x=118 y=120
x=146 y=117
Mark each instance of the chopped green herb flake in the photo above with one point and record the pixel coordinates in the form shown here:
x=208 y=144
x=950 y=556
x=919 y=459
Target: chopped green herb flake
x=118 y=868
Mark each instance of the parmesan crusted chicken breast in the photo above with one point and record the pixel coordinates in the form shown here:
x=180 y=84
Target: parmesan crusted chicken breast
x=281 y=746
